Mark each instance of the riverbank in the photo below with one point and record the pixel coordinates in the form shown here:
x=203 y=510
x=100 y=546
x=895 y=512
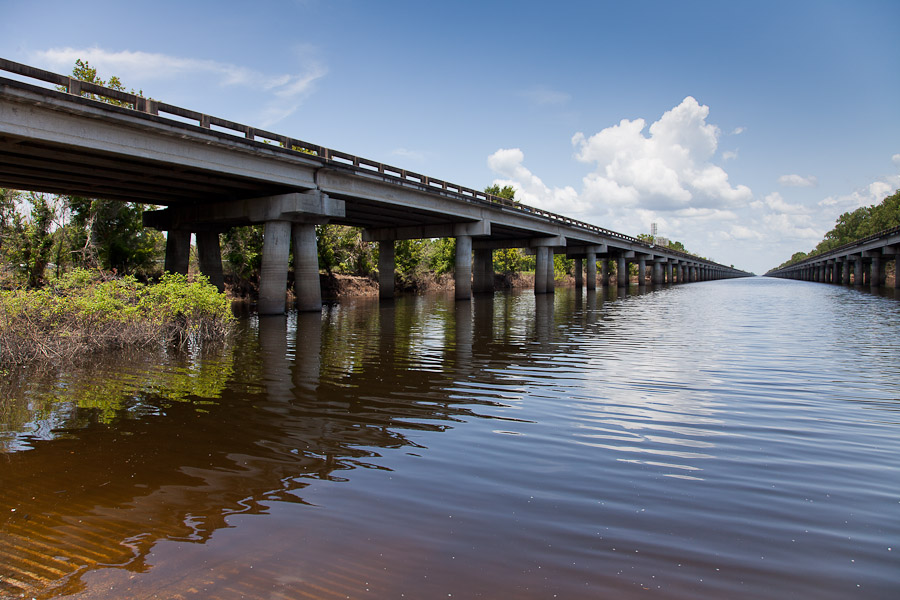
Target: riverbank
x=84 y=313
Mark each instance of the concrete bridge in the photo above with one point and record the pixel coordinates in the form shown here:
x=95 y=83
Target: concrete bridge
x=211 y=174
x=861 y=262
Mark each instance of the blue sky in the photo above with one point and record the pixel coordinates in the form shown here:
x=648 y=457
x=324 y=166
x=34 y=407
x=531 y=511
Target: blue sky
x=744 y=129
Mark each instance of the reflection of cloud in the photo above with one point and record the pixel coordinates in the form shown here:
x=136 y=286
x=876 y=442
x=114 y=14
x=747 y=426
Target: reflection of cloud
x=285 y=92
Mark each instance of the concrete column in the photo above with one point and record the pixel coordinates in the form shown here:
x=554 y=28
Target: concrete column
x=669 y=272
x=210 y=254
x=178 y=251
x=551 y=272
x=642 y=271
x=621 y=272
x=591 y=274
x=274 y=269
x=845 y=272
x=858 y=271
x=579 y=274
x=307 y=290
x=877 y=272
x=488 y=265
x=540 y=270
x=897 y=271
x=386 y=269
x=604 y=272
x=657 y=273
x=483 y=271
x=463 y=271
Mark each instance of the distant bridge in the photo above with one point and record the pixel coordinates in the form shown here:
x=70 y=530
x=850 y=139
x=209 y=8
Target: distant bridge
x=212 y=174
x=861 y=262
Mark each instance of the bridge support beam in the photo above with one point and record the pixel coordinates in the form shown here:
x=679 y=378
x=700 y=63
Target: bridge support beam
x=463 y=273
x=386 y=266
x=591 y=268
x=274 y=269
x=210 y=254
x=178 y=251
x=307 y=291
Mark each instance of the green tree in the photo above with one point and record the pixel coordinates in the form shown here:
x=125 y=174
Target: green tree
x=507 y=192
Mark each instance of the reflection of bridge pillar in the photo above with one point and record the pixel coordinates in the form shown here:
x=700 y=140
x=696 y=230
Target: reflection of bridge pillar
x=273 y=348
x=274 y=269
x=178 y=251
x=579 y=273
x=307 y=289
x=307 y=351
x=210 y=254
x=386 y=269
x=642 y=271
x=621 y=272
x=591 y=268
x=463 y=329
x=463 y=272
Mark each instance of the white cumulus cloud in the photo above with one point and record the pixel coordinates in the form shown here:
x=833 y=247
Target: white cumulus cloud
x=668 y=170
x=794 y=180
x=529 y=187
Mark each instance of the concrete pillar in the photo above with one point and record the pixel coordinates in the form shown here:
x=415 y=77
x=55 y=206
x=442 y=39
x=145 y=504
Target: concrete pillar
x=274 y=269
x=621 y=272
x=845 y=272
x=551 y=272
x=178 y=251
x=210 y=255
x=540 y=270
x=875 y=280
x=307 y=290
x=897 y=271
x=579 y=275
x=386 y=269
x=604 y=272
x=463 y=271
x=669 y=273
x=591 y=274
x=642 y=271
x=657 y=273
x=858 y=271
x=483 y=271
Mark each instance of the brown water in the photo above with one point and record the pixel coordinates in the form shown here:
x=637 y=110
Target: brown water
x=733 y=439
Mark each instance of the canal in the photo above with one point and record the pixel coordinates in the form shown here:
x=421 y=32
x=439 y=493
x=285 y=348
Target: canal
x=731 y=439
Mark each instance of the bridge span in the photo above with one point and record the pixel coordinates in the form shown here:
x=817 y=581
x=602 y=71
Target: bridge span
x=212 y=174
x=861 y=262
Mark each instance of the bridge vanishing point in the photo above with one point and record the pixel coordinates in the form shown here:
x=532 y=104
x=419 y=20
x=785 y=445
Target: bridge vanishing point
x=212 y=174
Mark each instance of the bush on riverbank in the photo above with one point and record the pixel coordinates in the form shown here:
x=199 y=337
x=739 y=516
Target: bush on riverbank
x=85 y=313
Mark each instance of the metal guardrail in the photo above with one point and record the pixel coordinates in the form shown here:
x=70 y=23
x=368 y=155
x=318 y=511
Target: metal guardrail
x=840 y=249
x=359 y=165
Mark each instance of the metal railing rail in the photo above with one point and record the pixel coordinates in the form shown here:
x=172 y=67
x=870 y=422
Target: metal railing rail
x=357 y=164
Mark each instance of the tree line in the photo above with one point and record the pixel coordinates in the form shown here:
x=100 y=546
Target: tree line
x=855 y=225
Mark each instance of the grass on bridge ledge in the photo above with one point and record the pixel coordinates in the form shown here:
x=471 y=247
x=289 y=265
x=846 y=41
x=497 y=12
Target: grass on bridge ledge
x=84 y=313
